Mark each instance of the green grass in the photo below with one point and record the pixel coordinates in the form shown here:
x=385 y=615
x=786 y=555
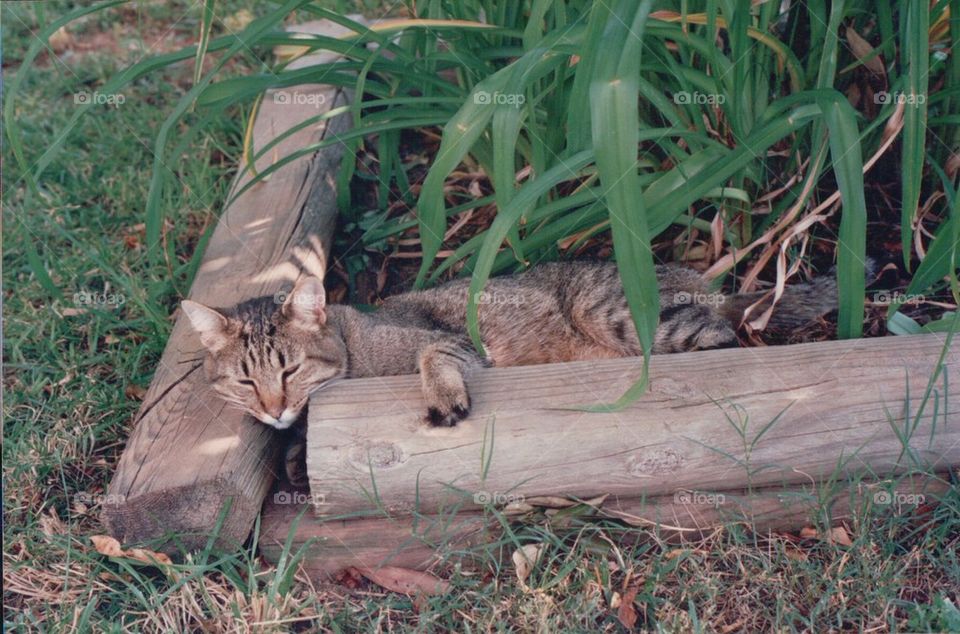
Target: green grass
x=108 y=212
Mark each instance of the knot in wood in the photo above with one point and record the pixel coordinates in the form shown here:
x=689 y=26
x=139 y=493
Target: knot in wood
x=379 y=455
x=654 y=462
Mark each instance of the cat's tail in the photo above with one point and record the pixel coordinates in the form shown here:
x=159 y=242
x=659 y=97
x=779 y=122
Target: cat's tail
x=799 y=305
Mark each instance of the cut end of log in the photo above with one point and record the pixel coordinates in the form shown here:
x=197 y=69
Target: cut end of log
x=176 y=521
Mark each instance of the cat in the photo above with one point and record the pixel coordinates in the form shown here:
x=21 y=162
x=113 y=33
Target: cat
x=266 y=357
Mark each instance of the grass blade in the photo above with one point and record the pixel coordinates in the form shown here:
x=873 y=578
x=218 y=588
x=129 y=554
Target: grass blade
x=915 y=48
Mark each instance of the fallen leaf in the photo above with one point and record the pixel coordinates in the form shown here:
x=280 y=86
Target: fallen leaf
x=517 y=508
x=349 y=577
x=60 y=40
x=135 y=392
x=238 y=21
x=550 y=501
x=953 y=165
x=405 y=580
x=525 y=558
x=615 y=600
x=840 y=536
x=474 y=189
x=862 y=49
x=836 y=535
x=110 y=547
x=627 y=613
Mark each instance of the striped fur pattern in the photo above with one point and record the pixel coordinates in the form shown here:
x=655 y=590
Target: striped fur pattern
x=266 y=357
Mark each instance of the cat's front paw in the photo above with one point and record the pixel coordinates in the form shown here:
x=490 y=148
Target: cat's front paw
x=446 y=408
x=444 y=388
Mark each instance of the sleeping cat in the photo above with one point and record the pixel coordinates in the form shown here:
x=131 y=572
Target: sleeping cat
x=266 y=357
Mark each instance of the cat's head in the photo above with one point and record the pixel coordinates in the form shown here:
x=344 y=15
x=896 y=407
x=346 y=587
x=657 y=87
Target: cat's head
x=266 y=356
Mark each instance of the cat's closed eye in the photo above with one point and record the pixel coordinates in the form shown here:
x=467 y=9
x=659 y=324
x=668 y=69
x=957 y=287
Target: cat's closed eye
x=288 y=372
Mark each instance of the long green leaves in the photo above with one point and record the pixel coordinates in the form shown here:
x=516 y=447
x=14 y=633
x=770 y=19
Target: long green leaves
x=915 y=46
x=591 y=117
x=613 y=116
x=851 y=253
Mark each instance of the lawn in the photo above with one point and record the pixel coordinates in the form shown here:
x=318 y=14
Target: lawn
x=97 y=256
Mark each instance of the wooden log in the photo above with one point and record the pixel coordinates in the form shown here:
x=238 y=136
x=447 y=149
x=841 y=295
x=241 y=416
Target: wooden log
x=325 y=546
x=191 y=459
x=329 y=545
x=720 y=420
x=693 y=513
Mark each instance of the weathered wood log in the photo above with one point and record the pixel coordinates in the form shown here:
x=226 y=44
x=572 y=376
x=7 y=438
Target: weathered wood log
x=720 y=420
x=325 y=546
x=329 y=545
x=190 y=458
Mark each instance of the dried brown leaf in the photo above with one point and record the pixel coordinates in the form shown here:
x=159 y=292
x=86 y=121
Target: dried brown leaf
x=135 y=392
x=405 y=580
x=836 y=535
x=862 y=49
x=525 y=558
x=110 y=547
x=627 y=612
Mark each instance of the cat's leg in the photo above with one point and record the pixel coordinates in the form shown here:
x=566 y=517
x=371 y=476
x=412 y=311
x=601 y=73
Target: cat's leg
x=295 y=463
x=294 y=454
x=443 y=368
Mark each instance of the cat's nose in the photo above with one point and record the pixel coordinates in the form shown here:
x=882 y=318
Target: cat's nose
x=273 y=405
x=275 y=412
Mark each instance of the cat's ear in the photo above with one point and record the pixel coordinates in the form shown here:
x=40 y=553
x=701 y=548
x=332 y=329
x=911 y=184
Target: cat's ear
x=306 y=306
x=214 y=329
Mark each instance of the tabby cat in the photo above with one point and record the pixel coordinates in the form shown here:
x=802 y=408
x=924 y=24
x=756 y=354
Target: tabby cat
x=266 y=357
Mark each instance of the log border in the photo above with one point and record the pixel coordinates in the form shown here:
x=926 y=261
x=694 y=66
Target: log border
x=191 y=462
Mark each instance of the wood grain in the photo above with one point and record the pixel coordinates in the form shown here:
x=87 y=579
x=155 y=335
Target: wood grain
x=327 y=546
x=833 y=404
x=324 y=546
x=191 y=459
